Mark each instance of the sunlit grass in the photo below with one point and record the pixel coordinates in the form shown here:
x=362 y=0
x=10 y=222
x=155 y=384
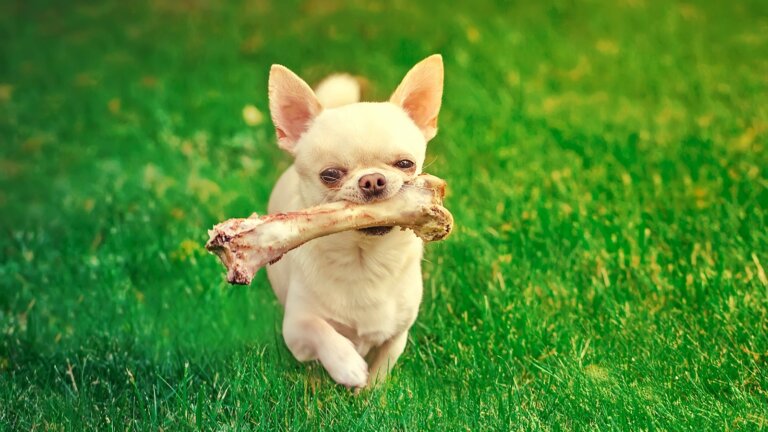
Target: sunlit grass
x=608 y=174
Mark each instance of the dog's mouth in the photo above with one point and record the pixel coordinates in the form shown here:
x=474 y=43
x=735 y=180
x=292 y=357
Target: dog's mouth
x=376 y=231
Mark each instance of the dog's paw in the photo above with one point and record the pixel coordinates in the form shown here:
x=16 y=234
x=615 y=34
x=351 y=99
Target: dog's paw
x=349 y=370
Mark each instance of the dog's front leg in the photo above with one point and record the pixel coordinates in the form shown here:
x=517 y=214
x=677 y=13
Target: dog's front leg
x=312 y=338
x=385 y=356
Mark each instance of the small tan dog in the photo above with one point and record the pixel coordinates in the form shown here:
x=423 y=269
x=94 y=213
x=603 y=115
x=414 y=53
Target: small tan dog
x=354 y=295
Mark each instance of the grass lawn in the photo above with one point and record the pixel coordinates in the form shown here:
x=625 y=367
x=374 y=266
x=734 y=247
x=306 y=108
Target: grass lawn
x=609 y=179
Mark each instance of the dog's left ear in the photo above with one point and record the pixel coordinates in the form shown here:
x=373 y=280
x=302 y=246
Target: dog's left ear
x=421 y=92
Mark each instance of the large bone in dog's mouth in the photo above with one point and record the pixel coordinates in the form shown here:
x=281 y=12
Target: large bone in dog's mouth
x=245 y=245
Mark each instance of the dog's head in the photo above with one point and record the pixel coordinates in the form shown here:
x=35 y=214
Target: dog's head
x=362 y=151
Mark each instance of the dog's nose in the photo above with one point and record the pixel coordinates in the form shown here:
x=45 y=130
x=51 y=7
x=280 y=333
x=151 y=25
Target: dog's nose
x=372 y=184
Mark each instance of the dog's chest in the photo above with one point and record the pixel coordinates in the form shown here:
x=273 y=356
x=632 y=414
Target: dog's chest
x=372 y=309
x=369 y=296
x=371 y=326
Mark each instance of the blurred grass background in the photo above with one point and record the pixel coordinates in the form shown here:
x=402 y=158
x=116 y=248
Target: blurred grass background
x=608 y=173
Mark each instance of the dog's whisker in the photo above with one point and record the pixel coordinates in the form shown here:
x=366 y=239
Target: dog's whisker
x=430 y=163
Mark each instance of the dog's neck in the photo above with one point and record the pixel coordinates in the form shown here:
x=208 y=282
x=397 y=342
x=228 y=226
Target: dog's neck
x=370 y=256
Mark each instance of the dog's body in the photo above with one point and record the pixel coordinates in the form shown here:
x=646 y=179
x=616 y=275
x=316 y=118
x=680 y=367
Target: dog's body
x=353 y=294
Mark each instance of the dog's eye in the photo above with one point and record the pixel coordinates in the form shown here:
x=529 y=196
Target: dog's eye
x=404 y=164
x=331 y=175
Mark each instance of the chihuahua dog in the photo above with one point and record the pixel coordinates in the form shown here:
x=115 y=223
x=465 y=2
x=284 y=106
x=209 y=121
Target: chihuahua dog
x=350 y=298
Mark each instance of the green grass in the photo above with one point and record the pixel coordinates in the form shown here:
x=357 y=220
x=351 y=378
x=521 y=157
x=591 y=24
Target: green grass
x=609 y=179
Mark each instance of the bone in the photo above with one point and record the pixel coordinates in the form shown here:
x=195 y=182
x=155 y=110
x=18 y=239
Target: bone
x=244 y=245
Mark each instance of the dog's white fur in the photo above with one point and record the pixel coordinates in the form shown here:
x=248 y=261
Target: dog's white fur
x=350 y=296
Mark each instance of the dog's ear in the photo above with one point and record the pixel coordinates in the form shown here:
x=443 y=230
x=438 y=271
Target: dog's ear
x=421 y=92
x=292 y=104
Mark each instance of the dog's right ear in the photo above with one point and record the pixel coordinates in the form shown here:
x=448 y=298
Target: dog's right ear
x=292 y=104
x=420 y=94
